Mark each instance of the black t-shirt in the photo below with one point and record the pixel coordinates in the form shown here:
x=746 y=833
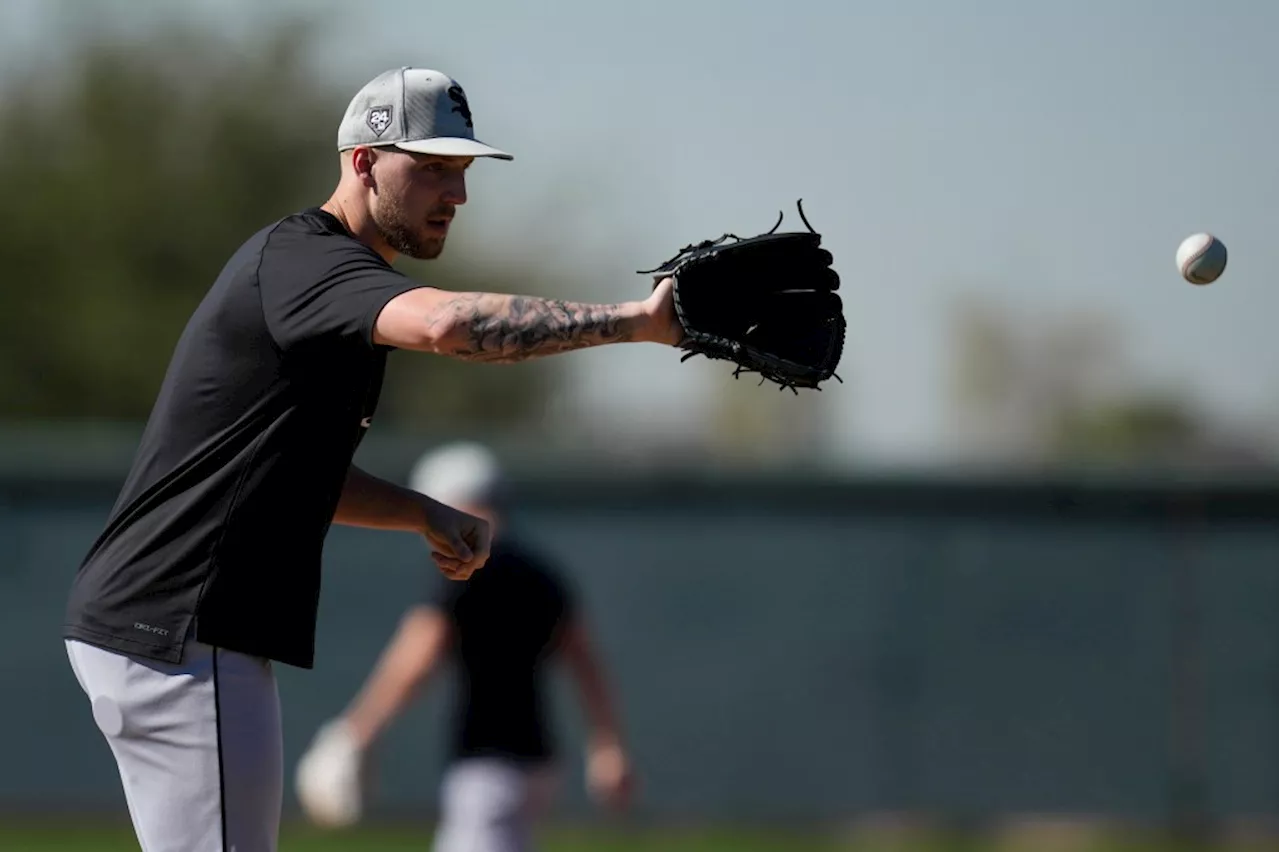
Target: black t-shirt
x=507 y=620
x=219 y=526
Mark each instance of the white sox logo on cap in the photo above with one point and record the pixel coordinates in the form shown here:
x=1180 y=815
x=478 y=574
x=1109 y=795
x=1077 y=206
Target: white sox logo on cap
x=461 y=106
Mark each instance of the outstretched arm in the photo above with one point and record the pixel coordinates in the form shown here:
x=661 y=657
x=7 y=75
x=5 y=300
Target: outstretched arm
x=500 y=329
x=608 y=766
x=405 y=665
x=330 y=778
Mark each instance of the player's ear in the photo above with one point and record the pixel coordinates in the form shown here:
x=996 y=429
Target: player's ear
x=362 y=160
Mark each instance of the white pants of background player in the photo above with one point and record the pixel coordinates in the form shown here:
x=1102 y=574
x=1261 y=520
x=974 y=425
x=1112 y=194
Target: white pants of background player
x=197 y=743
x=492 y=805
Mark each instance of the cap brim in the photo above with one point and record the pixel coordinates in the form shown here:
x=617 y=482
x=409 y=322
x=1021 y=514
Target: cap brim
x=452 y=146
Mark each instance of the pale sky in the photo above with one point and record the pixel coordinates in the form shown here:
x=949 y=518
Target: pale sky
x=1050 y=154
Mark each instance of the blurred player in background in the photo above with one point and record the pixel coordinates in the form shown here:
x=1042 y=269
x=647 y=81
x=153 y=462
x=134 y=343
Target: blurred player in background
x=500 y=628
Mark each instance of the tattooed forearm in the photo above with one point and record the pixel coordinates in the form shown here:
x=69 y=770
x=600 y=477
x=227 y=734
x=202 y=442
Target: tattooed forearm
x=500 y=329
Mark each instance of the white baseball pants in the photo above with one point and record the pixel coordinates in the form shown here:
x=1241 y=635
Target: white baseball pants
x=198 y=745
x=492 y=805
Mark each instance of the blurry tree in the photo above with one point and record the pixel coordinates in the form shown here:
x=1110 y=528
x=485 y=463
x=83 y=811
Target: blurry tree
x=755 y=424
x=1057 y=391
x=987 y=415
x=132 y=172
x=1150 y=427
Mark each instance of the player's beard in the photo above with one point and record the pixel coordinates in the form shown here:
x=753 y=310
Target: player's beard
x=401 y=231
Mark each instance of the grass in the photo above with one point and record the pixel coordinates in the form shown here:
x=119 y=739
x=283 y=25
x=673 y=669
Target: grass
x=87 y=838
x=70 y=836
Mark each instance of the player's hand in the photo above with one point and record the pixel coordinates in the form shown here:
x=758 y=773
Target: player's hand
x=331 y=778
x=459 y=542
x=660 y=314
x=610 y=779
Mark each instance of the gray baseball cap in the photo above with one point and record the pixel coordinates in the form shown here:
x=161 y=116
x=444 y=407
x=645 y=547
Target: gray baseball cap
x=414 y=109
x=460 y=473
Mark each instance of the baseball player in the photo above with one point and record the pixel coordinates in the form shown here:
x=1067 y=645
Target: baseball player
x=207 y=572
x=499 y=630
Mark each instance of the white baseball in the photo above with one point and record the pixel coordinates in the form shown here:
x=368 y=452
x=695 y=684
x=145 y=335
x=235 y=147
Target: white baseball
x=1201 y=258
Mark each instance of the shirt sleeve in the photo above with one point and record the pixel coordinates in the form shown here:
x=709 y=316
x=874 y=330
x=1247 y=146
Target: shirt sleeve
x=325 y=291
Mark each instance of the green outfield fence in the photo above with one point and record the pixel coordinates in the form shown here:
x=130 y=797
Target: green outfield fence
x=787 y=648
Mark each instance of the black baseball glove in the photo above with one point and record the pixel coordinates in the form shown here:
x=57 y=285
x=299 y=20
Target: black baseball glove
x=767 y=303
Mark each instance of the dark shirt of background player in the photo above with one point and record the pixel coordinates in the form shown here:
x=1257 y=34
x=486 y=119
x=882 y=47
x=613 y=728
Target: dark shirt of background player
x=507 y=625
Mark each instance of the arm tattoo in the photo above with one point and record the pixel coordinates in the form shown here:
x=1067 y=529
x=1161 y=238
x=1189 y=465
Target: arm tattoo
x=499 y=329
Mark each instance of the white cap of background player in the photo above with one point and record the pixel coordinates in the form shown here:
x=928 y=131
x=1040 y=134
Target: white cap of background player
x=458 y=474
x=414 y=109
